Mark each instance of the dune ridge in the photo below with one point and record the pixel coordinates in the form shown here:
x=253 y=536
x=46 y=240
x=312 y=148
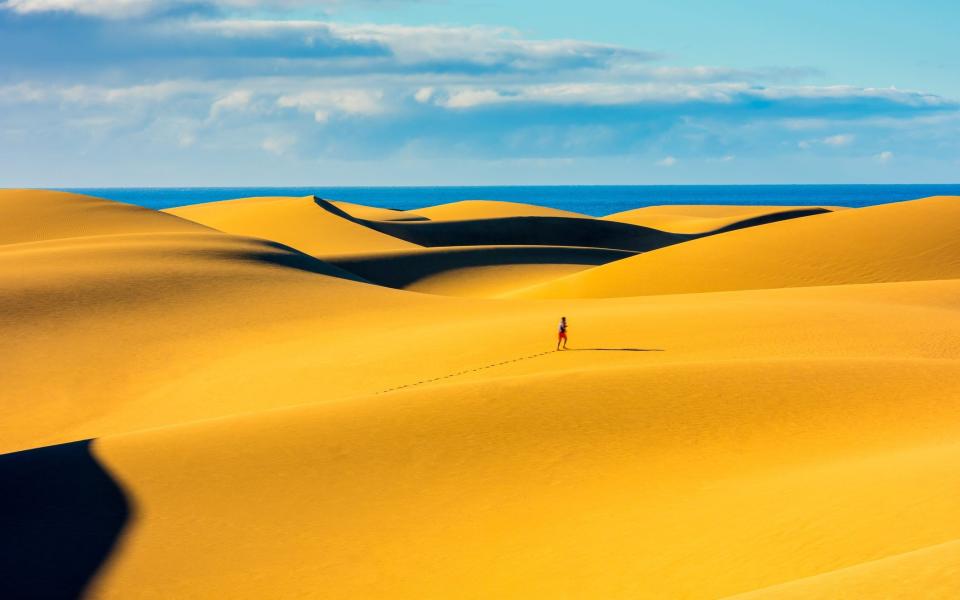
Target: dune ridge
x=518 y=230
x=465 y=210
x=382 y=244
x=694 y=218
x=281 y=422
x=295 y=222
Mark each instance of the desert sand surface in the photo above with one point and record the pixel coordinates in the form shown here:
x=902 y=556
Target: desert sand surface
x=293 y=397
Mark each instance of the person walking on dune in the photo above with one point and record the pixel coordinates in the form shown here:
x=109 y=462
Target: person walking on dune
x=562 y=334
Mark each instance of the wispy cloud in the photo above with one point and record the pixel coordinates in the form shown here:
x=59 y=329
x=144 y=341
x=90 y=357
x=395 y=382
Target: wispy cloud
x=123 y=9
x=667 y=161
x=885 y=156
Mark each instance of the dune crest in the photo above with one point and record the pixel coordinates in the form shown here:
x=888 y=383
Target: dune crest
x=39 y=215
x=296 y=222
x=695 y=218
x=466 y=210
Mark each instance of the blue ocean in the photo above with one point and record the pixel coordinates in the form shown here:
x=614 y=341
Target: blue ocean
x=596 y=200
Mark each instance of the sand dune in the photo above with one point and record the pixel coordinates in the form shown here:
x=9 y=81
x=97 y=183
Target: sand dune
x=38 y=215
x=76 y=312
x=893 y=242
x=271 y=424
x=474 y=248
x=516 y=231
x=694 y=218
x=466 y=210
x=296 y=222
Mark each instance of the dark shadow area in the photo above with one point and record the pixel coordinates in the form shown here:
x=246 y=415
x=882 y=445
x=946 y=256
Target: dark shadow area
x=522 y=231
x=292 y=258
x=399 y=269
x=60 y=516
x=772 y=218
x=615 y=350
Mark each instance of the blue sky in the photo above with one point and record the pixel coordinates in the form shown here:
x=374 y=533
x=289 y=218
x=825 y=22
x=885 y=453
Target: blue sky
x=436 y=92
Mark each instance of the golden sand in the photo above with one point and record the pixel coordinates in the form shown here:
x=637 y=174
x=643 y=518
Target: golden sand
x=768 y=412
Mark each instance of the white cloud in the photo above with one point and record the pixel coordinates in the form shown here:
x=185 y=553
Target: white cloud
x=607 y=94
x=843 y=139
x=111 y=8
x=133 y=8
x=278 y=145
x=840 y=92
x=667 y=161
x=423 y=95
x=835 y=141
x=23 y=92
x=474 y=48
x=235 y=100
x=884 y=157
x=595 y=94
x=324 y=103
x=135 y=94
x=469 y=98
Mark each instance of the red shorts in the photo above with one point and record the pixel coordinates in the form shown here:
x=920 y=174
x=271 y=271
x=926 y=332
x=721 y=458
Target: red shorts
x=563 y=335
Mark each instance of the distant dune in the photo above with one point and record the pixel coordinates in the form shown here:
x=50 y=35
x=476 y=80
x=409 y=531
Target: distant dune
x=293 y=221
x=889 y=242
x=490 y=209
x=294 y=397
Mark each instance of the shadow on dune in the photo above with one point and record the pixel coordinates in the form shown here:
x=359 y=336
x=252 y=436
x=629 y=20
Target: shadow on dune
x=513 y=231
x=771 y=218
x=615 y=350
x=285 y=256
x=60 y=516
x=399 y=269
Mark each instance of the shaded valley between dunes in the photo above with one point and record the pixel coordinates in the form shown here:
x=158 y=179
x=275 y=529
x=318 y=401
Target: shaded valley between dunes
x=297 y=397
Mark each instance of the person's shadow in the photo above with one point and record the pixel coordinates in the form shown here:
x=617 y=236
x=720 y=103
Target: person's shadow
x=615 y=350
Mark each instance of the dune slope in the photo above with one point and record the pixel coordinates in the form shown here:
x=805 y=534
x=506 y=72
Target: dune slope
x=893 y=242
x=296 y=222
x=39 y=215
x=77 y=312
x=935 y=570
x=710 y=482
